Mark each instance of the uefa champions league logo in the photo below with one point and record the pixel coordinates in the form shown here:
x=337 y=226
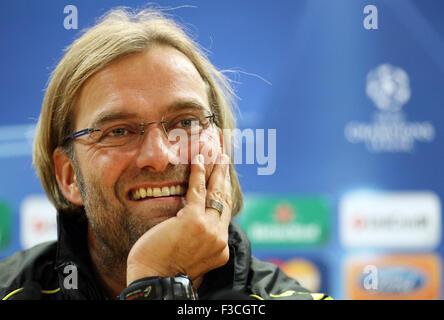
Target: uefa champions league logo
x=389 y=132
x=388 y=87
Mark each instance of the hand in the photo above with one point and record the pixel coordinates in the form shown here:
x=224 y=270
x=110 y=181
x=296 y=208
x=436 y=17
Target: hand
x=193 y=242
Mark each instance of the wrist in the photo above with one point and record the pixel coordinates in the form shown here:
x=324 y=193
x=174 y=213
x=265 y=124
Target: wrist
x=136 y=271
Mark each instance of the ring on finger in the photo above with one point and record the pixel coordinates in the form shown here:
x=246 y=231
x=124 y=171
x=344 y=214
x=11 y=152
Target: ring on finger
x=214 y=204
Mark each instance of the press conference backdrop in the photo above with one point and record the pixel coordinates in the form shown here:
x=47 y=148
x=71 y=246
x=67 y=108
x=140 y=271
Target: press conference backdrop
x=347 y=96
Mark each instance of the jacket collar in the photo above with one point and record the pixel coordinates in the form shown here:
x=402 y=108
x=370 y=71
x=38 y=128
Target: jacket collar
x=72 y=250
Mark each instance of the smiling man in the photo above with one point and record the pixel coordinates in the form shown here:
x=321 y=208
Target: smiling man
x=130 y=150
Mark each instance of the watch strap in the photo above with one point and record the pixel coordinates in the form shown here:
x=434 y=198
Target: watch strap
x=160 y=288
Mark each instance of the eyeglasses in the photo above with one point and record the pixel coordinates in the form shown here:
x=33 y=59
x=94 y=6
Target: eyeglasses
x=122 y=132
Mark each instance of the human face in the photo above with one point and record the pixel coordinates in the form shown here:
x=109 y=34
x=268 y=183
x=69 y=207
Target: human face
x=144 y=86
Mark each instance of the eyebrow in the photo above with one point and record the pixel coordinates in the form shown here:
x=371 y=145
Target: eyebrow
x=176 y=106
x=109 y=116
x=187 y=104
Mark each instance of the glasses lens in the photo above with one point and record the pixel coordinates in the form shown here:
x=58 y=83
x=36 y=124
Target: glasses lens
x=191 y=122
x=117 y=134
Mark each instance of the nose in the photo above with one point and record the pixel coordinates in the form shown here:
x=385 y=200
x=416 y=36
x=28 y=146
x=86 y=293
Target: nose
x=154 y=150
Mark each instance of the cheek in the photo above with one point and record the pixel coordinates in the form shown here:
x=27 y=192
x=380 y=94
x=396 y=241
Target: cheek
x=107 y=166
x=208 y=146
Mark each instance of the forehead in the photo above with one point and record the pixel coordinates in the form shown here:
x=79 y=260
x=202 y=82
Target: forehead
x=145 y=84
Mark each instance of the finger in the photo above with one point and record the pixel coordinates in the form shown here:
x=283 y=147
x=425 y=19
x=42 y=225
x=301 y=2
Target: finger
x=196 y=193
x=219 y=186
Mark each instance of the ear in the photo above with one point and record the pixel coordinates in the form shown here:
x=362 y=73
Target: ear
x=66 y=177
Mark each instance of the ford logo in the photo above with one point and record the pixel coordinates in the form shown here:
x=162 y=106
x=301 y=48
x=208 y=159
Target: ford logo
x=396 y=280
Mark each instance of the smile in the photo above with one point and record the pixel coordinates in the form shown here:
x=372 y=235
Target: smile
x=166 y=191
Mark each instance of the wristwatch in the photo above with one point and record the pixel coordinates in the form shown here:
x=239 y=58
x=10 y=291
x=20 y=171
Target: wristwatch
x=160 y=288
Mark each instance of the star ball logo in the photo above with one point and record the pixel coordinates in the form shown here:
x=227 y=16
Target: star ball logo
x=388 y=87
x=389 y=132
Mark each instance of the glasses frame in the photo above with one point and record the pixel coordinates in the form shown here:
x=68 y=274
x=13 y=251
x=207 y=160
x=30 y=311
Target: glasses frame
x=83 y=132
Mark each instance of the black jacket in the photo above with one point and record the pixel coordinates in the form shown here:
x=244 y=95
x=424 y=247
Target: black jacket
x=40 y=272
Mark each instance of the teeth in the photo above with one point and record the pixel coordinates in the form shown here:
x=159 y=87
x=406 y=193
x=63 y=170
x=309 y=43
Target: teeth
x=165 y=191
x=157 y=192
x=142 y=193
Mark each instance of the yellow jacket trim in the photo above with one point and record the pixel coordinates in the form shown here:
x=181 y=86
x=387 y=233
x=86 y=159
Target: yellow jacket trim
x=320 y=296
x=284 y=294
x=51 y=291
x=315 y=296
x=12 y=293
x=9 y=295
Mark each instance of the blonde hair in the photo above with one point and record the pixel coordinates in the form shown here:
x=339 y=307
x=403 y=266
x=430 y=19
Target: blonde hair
x=117 y=34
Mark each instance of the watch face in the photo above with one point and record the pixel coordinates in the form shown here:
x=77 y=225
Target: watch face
x=183 y=288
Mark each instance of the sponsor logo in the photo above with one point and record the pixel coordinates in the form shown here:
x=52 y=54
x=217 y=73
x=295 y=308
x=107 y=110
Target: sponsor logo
x=5 y=224
x=272 y=220
x=389 y=89
x=396 y=280
x=393 y=277
x=390 y=220
x=38 y=221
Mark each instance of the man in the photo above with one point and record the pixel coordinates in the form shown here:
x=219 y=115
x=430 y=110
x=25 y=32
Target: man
x=130 y=150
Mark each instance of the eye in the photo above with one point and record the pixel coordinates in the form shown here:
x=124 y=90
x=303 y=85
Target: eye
x=187 y=122
x=118 y=132
x=191 y=122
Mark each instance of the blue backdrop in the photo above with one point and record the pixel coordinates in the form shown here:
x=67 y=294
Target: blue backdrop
x=357 y=104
